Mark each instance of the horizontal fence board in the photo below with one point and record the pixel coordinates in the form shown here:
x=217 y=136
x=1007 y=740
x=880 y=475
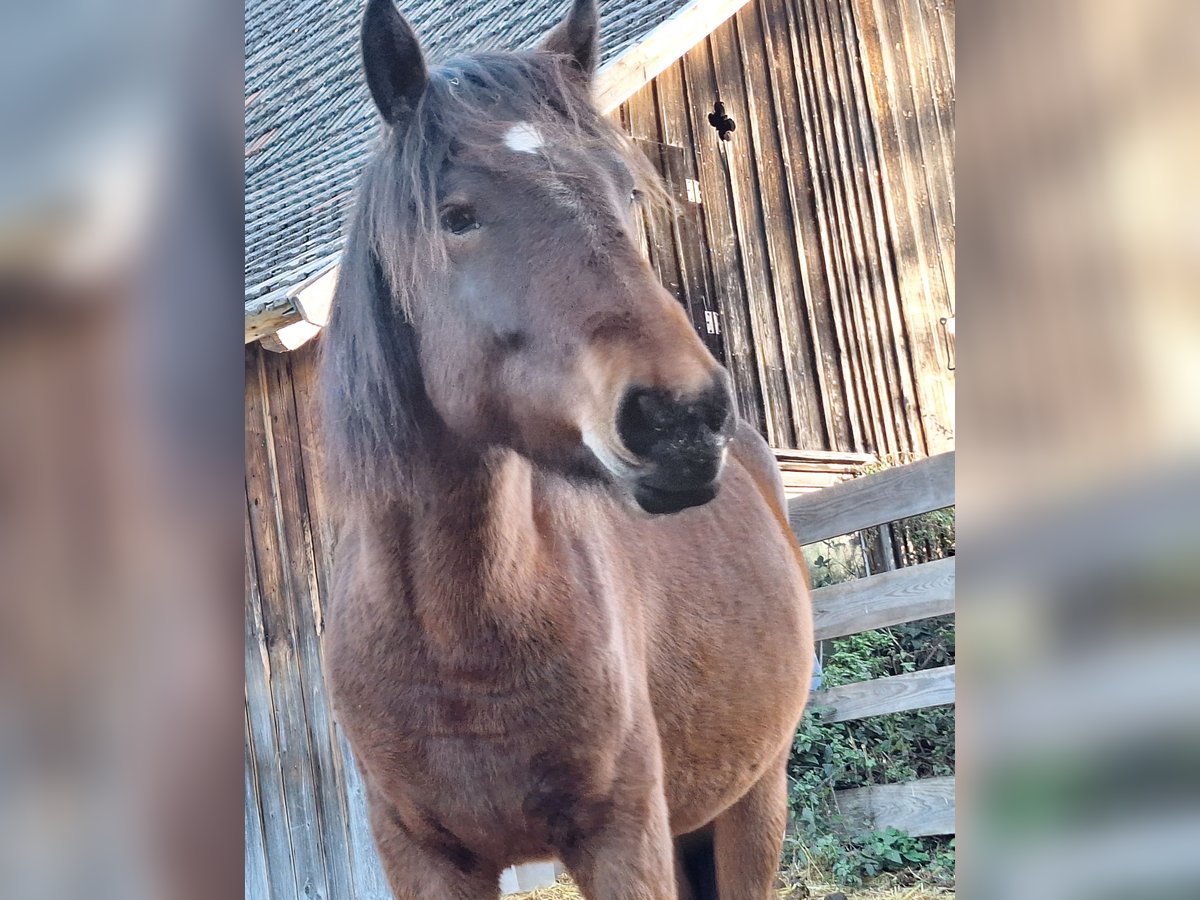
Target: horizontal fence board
x=874 y=499
x=922 y=807
x=897 y=693
x=890 y=598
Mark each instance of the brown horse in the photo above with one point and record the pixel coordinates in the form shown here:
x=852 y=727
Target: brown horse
x=568 y=618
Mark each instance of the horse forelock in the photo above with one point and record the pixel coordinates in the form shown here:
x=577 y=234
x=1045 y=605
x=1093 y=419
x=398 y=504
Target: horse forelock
x=472 y=103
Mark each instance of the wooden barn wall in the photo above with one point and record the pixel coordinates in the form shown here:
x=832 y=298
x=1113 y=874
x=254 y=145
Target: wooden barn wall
x=822 y=245
x=306 y=826
x=819 y=241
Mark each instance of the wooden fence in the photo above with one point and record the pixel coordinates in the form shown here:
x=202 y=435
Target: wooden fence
x=924 y=806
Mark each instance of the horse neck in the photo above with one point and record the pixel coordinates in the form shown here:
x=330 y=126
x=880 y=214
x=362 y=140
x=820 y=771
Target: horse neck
x=473 y=543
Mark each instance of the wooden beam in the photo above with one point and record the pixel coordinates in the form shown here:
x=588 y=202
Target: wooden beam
x=264 y=318
x=314 y=297
x=922 y=807
x=624 y=76
x=897 y=693
x=289 y=337
x=874 y=499
x=890 y=598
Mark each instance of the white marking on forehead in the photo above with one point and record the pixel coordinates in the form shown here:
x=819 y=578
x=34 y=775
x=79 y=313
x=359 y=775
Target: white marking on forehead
x=523 y=138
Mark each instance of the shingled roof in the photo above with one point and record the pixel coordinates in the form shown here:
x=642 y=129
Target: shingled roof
x=309 y=118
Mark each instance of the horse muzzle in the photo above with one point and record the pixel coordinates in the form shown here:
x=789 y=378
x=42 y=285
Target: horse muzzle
x=679 y=444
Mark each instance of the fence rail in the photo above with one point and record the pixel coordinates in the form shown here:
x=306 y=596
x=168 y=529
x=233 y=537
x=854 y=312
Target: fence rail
x=896 y=693
x=890 y=598
x=925 y=806
x=875 y=499
x=922 y=807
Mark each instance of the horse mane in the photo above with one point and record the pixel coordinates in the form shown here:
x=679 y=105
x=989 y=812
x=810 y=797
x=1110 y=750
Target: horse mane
x=375 y=409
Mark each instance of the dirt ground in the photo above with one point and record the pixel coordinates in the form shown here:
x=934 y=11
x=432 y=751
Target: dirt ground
x=564 y=890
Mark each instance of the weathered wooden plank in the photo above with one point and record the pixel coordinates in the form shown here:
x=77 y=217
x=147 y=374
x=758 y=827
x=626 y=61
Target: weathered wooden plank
x=737 y=156
x=814 y=288
x=842 y=146
x=262 y=747
x=297 y=760
x=821 y=89
x=925 y=285
x=303 y=600
x=725 y=258
x=874 y=499
x=896 y=693
x=257 y=879
x=366 y=870
x=263 y=319
x=369 y=881
x=810 y=185
x=769 y=155
x=863 y=176
x=927 y=79
x=922 y=807
x=822 y=165
x=889 y=598
x=683 y=182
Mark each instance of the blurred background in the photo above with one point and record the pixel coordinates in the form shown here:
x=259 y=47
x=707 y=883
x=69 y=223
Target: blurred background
x=120 y=449
x=1078 y=475
x=121 y=474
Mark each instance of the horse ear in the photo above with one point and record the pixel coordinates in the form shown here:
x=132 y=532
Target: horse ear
x=577 y=36
x=392 y=61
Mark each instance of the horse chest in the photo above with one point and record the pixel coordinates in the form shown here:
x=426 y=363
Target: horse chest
x=491 y=764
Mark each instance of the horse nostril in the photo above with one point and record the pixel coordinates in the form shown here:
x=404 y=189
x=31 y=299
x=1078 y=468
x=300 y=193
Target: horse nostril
x=642 y=420
x=716 y=410
x=651 y=422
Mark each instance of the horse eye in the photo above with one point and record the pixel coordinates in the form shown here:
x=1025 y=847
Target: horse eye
x=459 y=220
x=634 y=196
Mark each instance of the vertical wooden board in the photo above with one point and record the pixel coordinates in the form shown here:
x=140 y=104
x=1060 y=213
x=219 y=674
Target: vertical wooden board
x=307 y=619
x=811 y=177
x=725 y=258
x=829 y=56
x=258 y=884
x=864 y=180
x=687 y=224
x=301 y=789
x=770 y=154
x=929 y=80
x=369 y=880
x=748 y=220
x=815 y=279
x=884 y=235
x=261 y=740
x=923 y=292
x=941 y=86
x=946 y=33
x=814 y=87
x=302 y=365
x=641 y=119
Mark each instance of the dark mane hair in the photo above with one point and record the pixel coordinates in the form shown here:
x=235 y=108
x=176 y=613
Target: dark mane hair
x=375 y=410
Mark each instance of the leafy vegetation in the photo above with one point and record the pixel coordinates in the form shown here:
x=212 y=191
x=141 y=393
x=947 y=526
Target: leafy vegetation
x=829 y=756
